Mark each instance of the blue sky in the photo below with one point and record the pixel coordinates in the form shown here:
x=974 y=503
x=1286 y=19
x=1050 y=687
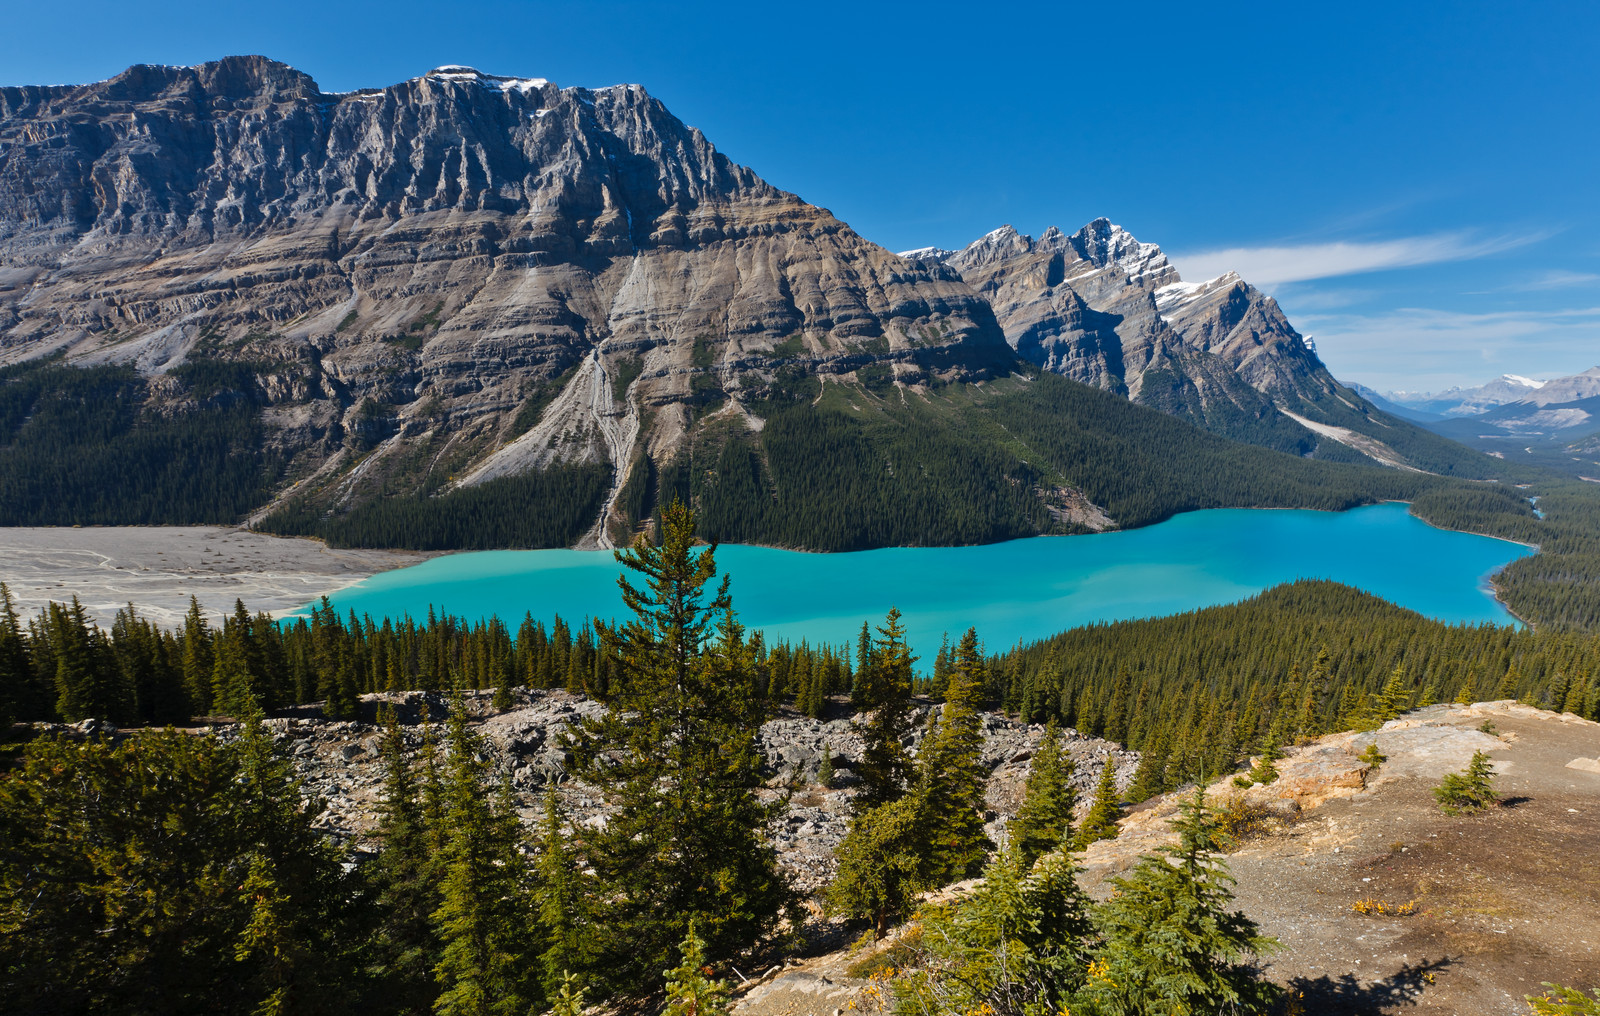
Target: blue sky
x=1417 y=183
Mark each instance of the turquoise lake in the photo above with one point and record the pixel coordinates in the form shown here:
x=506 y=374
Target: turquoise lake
x=1021 y=590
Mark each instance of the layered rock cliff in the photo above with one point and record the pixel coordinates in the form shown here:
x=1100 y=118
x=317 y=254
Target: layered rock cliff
x=490 y=273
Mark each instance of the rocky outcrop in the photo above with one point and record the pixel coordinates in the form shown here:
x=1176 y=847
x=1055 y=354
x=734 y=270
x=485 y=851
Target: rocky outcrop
x=338 y=761
x=436 y=255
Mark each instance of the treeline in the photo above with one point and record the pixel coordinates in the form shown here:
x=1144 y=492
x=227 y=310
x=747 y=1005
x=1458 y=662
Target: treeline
x=845 y=468
x=548 y=508
x=60 y=666
x=1200 y=692
x=84 y=446
x=830 y=480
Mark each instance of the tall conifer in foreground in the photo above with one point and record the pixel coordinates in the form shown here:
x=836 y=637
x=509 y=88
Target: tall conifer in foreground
x=675 y=755
x=951 y=774
x=405 y=877
x=883 y=692
x=488 y=936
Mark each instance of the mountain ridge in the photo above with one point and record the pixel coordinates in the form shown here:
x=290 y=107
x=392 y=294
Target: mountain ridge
x=495 y=289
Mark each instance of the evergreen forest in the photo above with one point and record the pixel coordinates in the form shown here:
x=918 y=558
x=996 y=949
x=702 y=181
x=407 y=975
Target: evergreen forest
x=209 y=884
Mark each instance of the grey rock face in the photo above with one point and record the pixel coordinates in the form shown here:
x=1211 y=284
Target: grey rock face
x=443 y=248
x=1100 y=307
x=339 y=762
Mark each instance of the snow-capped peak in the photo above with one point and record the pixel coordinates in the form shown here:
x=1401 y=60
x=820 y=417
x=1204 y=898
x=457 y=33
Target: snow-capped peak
x=927 y=254
x=1105 y=243
x=1526 y=382
x=459 y=72
x=1175 y=293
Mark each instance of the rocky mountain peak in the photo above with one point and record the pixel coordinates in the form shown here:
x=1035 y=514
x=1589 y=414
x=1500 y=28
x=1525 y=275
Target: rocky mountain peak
x=1104 y=243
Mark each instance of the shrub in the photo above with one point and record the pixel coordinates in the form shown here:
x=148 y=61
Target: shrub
x=1560 y=1001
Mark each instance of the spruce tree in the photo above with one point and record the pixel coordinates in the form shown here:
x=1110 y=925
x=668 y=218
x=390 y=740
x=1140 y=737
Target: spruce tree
x=1470 y=790
x=951 y=774
x=197 y=659
x=1394 y=699
x=21 y=698
x=1169 y=943
x=1100 y=823
x=675 y=755
x=884 y=863
x=1045 y=819
x=568 y=1000
x=883 y=692
x=1150 y=778
x=691 y=990
x=88 y=681
x=560 y=899
x=487 y=962
x=405 y=879
x=1264 y=771
x=1017 y=945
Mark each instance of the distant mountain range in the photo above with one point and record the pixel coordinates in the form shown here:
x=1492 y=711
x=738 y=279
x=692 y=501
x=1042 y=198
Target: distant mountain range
x=412 y=293
x=1554 y=421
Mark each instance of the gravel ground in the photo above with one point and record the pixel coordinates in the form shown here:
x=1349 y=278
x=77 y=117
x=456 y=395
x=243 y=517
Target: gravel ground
x=160 y=567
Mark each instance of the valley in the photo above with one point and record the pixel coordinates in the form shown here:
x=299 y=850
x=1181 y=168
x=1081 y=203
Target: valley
x=471 y=548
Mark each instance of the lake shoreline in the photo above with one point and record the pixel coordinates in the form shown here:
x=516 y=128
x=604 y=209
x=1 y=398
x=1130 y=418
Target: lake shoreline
x=159 y=567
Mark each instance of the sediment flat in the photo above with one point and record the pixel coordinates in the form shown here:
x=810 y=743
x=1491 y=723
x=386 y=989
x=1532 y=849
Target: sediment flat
x=157 y=568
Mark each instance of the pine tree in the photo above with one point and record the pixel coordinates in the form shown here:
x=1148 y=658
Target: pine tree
x=883 y=863
x=1101 y=821
x=1044 y=821
x=675 y=755
x=405 y=879
x=487 y=962
x=560 y=900
x=1470 y=790
x=691 y=991
x=883 y=692
x=951 y=774
x=1169 y=943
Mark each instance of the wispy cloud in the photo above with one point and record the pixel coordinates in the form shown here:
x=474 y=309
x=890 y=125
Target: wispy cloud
x=1272 y=266
x=1427 y=349
x=1560 y=279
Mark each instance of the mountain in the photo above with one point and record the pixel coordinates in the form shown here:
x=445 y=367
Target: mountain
x=480 y=273
x=1507 y=388
x=1102 y=308
x=472 y=310
x=1551 y=422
